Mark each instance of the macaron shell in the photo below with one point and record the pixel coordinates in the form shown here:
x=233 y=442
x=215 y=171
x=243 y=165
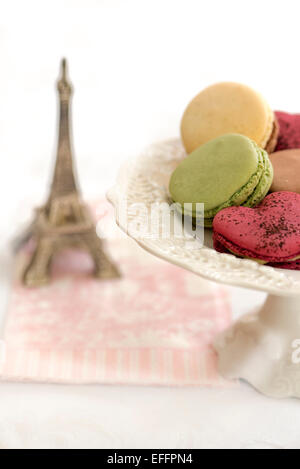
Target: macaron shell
x=286 y=166
x=207 y=175
x=250 y=191
x=289 y=131
x=268 y=232
x=293 y=265
x=226 y=108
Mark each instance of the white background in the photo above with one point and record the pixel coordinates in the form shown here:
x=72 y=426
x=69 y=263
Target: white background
x=135 y=65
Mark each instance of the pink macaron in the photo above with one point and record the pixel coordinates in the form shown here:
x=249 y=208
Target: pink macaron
x=269 y=232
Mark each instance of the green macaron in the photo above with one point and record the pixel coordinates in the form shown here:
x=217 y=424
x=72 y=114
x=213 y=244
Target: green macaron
x=229 y=170
x=264 y=184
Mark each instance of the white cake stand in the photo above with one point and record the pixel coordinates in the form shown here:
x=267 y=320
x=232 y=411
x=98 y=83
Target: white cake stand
x=261 y=348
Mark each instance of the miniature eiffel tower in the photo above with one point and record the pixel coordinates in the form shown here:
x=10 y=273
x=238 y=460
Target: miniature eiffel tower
x=64 y=220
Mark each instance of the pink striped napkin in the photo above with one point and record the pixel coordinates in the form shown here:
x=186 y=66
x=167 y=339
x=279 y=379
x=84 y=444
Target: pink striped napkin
x=154 y=325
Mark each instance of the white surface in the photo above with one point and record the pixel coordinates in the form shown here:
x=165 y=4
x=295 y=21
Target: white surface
x=112 y=417
x=135 y=64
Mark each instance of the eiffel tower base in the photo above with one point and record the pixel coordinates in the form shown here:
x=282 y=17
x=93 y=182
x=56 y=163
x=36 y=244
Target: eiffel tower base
x=37 y=272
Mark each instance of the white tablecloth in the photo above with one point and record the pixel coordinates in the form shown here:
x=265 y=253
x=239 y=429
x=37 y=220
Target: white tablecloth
x=49 y=416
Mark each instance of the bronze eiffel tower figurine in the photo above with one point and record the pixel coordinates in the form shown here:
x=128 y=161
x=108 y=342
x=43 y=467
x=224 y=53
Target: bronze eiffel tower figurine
x=64 y=220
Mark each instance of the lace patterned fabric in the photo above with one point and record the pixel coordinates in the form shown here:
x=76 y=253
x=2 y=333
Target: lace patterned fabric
x=154 y=325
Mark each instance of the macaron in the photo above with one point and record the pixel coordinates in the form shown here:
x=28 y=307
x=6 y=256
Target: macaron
x=228 y=108
x=289 y=131
x=286 y=167
x=268 y=233
x=229 y=170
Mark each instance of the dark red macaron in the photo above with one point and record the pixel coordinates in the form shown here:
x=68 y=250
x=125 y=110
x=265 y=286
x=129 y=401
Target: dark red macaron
x=289 y=131
x=269 y=232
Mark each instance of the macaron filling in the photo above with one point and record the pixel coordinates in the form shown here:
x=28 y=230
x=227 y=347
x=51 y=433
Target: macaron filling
x=269 y=127
x=263 y=185
x=272 y=142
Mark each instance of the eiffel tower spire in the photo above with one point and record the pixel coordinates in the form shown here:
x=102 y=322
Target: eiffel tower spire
x=64 y=179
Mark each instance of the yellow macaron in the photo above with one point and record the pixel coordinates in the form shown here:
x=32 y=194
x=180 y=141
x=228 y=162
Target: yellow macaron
x=228 y=108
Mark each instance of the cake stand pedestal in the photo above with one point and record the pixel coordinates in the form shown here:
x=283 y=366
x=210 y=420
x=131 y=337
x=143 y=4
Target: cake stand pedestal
x=262 y=348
